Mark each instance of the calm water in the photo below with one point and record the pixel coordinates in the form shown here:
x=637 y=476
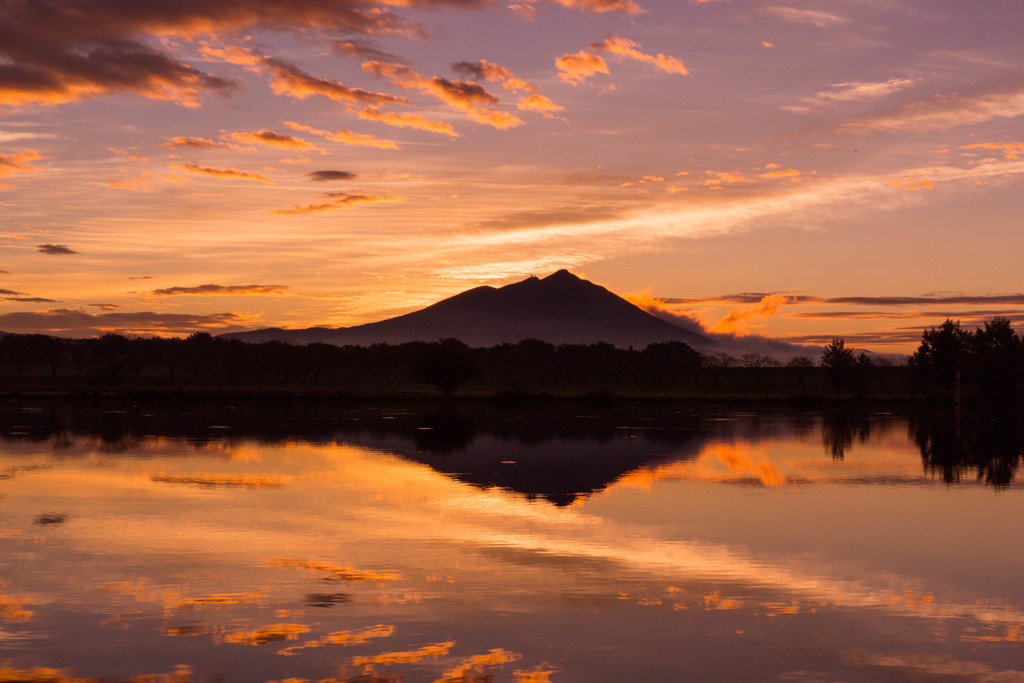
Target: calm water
x=558 y=544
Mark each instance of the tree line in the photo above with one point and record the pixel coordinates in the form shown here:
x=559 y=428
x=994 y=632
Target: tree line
x=989 y=359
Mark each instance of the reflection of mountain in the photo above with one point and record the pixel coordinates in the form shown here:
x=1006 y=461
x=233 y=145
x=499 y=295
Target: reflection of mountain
x=560 y=308
x=559 y=470
x=556 y=451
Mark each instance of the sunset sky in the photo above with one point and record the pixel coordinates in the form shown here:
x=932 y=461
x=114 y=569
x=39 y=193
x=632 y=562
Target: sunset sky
x=800 y=169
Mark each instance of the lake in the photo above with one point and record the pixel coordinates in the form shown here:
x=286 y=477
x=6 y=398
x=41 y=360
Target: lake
x=546 y=543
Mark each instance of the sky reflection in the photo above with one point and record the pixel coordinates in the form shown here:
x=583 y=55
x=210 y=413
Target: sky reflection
x=360 y=563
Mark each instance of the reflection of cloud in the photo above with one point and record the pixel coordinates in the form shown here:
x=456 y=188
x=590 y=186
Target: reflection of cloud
x=221 y=600
x=478 y=663
x=215 y=480
x=433 y=651
x=13 y=609
x=334 y=572
x=269 y=634
x=222 y=172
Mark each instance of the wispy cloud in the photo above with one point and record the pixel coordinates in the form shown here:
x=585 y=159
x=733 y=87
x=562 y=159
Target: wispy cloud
x=625 y=48
x=221 y=290
x=408 y=120
x=533 y=100
x=55 y=249
x=942 y=111
x=77 y=323
x=346 y=136
x=337 y=200
x=852 y=92
x=467 y=97
x=795 y=15
x=194 y=143
x=272 y=139
x=222 y=172
x=15 y=163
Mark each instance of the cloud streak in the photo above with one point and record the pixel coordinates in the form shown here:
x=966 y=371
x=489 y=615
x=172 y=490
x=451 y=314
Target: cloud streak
x=15 y=163
x=470 y=98
x=230 y=173
x=346 y=136
x=75 y=323
x=336 y=200
x=222 y=290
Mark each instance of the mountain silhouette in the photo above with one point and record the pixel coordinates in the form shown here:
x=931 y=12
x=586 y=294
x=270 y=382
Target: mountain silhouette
x=560 y=309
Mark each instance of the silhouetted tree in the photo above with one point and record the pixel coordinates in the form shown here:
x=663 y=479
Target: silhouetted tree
x=838 y=361
x=758 y=362
x=997 y=356
x=801 y=367
x=716 y=363
x=447 y=365
x=941 y=354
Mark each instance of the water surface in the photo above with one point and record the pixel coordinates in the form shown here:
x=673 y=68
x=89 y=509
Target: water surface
x=557 y=543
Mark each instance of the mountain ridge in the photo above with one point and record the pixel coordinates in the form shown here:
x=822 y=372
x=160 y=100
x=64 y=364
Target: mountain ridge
x=561 y=308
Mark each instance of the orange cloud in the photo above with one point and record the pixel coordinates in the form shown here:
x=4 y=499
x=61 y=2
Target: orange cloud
x=1011 y=150
x=911 y=183
x=738 y=318
x=194 y=143
x=579 y=67
x=338 y=200
x=784 y=173
x=15 y=163
x=288 y=79
x=223 y=172
x=408 y=120
x=269 y=137
x=346 y=136
x=624 y=6
x=719 y=178
x=221 y=290
x=490 y=71
x=465 y=96
x=626 y=48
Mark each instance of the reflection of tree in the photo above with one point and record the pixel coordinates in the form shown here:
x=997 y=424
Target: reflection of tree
x=988 y=443
x=841 y=427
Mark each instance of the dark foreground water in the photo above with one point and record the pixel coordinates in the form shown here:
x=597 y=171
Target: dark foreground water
x=562 y=544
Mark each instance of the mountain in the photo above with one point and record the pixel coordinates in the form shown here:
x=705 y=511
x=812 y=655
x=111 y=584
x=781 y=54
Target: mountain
x=560 y=308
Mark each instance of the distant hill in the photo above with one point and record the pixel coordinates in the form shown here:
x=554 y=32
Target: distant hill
x=560 y=309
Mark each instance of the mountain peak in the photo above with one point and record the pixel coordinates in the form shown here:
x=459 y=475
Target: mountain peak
x=561 y=308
